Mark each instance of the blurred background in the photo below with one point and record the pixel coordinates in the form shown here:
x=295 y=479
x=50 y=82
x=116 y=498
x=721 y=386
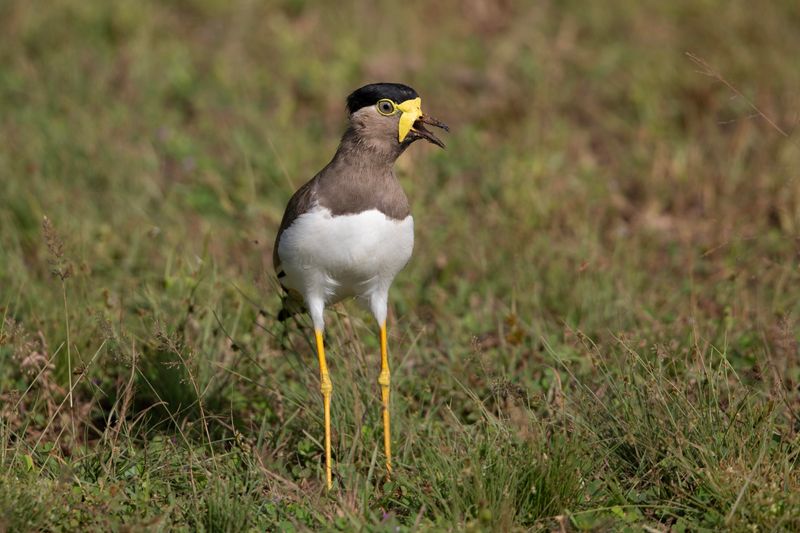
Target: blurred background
x=605 y=270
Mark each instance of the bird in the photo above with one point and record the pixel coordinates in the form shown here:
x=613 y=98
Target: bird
x=348 y=231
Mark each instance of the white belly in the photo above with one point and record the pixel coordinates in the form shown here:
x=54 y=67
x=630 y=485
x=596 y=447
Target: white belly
x=331 y=258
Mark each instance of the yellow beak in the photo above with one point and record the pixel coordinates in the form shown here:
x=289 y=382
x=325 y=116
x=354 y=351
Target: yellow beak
x=410 y=110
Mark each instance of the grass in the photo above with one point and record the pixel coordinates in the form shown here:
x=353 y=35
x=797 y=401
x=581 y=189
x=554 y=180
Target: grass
x=598 y=329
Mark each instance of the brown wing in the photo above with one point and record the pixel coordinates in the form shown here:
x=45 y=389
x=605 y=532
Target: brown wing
x=301 y=201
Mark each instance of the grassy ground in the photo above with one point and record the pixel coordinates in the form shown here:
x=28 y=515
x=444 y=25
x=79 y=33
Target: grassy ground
x=598 y=330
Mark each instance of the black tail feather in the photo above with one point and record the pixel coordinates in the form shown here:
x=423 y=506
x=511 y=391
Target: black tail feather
x=291 y=305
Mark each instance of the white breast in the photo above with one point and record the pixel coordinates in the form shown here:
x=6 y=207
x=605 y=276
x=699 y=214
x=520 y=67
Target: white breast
x=329 y=258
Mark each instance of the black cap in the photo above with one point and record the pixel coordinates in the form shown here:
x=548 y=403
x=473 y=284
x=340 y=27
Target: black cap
x=370 y=94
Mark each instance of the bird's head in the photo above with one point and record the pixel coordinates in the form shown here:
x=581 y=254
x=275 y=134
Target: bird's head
x=390 y=115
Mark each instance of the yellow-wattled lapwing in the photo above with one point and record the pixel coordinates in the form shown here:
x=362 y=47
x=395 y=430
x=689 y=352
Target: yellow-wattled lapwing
x=349 y=231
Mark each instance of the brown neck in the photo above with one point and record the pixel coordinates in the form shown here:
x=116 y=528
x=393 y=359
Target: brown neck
x=361 y=177
x=356 y=149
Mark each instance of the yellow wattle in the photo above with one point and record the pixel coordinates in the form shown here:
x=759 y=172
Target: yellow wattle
x=411 y=110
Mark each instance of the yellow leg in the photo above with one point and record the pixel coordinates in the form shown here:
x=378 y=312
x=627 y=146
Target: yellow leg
x=383 y=381
x=326 y=387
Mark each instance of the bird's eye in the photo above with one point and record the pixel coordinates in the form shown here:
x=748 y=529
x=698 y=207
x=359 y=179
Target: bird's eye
x=386 y=107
